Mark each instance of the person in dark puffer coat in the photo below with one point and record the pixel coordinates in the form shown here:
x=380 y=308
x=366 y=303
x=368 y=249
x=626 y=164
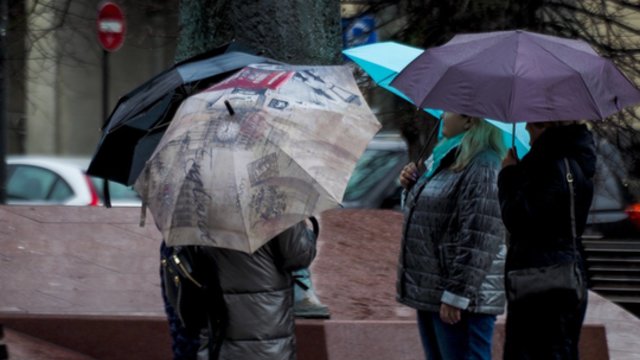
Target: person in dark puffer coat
x=452 y=254
x=534 y=196
x=258 y=296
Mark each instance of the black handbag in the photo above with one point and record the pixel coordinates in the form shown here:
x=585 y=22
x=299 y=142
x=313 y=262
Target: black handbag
x=191 y=286
x=567 y=276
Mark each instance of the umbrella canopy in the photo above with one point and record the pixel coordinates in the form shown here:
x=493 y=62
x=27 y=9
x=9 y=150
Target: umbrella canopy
x=249 y=157
x=517 y=76
x=140 y=118
x=383 y=61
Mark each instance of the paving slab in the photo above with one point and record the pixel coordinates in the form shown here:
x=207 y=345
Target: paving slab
x=95 y=270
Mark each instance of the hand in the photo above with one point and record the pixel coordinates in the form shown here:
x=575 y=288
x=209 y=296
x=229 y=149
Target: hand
x=510 y=159
x=449 y=314
x=408 y=175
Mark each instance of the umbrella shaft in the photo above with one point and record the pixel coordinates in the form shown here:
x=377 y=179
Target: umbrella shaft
x=423 y=151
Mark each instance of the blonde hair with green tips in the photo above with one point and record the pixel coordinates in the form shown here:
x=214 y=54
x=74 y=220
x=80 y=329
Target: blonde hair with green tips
x=480 y=136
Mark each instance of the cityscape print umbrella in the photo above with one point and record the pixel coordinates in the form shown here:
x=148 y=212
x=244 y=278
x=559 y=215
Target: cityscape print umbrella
x=138 y=121
x=384 y=60
x=515 y=76
x=249 y=157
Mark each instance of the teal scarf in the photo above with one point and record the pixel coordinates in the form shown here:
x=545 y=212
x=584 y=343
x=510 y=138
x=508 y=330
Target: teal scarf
x=439 y=152
x=431 y=164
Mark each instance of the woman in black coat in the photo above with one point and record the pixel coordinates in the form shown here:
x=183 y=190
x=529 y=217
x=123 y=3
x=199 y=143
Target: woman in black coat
x=535 y=203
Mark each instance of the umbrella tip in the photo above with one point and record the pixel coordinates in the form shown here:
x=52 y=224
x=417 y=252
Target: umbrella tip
x=229 y=108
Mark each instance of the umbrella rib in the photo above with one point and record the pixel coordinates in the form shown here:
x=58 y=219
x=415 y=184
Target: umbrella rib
x=424 y=98
x=594 y=102
x=488 y=49
x=392 y=76
x=513 y=85
x=245 y=226
x=511 y=93
x=303 y=169
x=159 y=126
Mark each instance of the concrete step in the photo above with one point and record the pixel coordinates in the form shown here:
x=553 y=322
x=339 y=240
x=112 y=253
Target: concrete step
x=104 y=337
x=135 y=338
x=622 y=287
x=612 y=259
x=631 y=280
x=621 y=300
x=615 y=244
x=615 y=252
x=613 y=269
x=21 y=346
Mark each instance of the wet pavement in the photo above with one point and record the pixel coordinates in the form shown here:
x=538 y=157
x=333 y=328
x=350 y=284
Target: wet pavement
x=71 y=277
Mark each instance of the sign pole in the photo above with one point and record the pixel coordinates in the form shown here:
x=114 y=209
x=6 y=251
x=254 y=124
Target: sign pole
x=105 y=116
x=111 y=29
x=105 y=87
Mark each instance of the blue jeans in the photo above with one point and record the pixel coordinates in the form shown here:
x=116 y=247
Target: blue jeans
x=469 y=339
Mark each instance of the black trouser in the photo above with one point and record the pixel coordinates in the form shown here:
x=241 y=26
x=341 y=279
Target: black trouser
x=4 y=354
x=544 y=327
x=184 y=344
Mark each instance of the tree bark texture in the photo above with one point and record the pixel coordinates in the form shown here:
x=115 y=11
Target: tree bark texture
x=292 y=31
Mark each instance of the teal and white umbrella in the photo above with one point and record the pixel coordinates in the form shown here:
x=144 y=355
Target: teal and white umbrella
x=384 y=60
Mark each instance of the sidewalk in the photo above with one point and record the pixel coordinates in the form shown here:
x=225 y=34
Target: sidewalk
x=86 y=280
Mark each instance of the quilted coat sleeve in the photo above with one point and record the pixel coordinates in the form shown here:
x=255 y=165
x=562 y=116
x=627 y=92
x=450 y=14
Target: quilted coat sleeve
x=469 y=255
x=297 y=247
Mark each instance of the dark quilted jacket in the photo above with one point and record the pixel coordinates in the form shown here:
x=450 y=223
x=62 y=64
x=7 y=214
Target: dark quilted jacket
x=453 y=249
x=258 y=295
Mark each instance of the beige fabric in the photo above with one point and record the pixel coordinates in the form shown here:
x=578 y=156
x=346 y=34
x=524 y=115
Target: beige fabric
x=235 y=181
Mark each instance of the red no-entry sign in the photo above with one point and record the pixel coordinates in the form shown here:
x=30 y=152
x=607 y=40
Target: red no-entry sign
x=111 y=26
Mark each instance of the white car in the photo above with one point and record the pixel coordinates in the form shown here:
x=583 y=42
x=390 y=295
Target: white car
x=49 y=180
x=374 y=181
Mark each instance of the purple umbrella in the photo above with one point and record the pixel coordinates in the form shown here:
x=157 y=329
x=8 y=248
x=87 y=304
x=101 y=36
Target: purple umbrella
x=517 y=76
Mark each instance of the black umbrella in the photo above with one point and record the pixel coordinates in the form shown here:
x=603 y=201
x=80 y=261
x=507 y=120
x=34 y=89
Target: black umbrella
x=138 y=121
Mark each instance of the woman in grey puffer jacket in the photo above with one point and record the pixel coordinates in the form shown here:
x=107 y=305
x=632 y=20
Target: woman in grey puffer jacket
x=258 y=296
x=452 y=255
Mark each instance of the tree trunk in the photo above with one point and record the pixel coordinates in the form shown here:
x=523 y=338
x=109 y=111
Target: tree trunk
x=292 y=31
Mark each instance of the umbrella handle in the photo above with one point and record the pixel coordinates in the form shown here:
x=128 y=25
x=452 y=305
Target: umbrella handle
x=229 y=108
x=513 y=142
x=423 y=151
x=316 y=225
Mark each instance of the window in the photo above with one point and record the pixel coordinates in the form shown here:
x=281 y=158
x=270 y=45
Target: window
x=117 y=191
x=32 y=183
x=373 y=167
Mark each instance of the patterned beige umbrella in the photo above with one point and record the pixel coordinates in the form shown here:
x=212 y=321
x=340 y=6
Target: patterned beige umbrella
x=256 y=153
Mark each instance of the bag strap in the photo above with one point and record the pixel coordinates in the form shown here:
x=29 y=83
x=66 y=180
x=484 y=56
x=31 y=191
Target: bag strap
x=572 y=205
x=316 y=225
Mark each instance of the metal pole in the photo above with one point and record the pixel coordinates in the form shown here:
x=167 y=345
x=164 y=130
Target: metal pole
x=4 y=10
x=105 y=115
x=105 y=86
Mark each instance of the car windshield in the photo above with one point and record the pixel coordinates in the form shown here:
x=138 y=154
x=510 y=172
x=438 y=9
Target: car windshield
x=117 y=191
x=372 y=167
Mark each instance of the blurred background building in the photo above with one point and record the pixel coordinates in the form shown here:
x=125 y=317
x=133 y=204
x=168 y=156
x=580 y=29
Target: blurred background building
x=55 y=60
